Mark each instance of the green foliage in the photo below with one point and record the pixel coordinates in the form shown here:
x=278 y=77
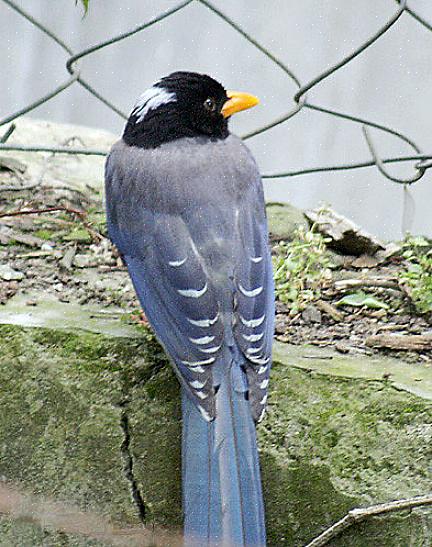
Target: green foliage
x=85 y=4
x=78 y=234
x=417 y=276
x=301 y=268
x=360 y=299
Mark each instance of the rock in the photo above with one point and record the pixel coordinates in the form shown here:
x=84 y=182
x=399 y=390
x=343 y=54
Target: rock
x=365 y=261
x=12 y=164
x=9 y=274
x=284 y=219
x=345 y=236
x=67 y=259
x=8 y=235
x=390 y=250
x=337 y=435
x=341 y=347
x=311 y=314
x=79 y=172
x=82 y=260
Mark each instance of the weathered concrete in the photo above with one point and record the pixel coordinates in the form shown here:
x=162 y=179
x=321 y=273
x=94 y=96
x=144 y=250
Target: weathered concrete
x=336 y=434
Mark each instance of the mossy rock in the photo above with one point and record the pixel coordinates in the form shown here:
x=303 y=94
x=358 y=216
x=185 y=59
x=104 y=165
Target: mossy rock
x=284 y=219
x=330 y=441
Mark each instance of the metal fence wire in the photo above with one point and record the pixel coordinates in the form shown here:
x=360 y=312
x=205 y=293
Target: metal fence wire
x=421 y=161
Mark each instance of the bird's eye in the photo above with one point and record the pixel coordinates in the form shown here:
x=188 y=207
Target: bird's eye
x=210 y=104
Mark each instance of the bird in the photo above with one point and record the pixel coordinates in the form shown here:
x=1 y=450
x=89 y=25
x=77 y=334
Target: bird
x=186 y=211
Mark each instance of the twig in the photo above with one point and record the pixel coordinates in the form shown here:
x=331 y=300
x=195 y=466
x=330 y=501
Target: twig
x=409 y=342
x=344 y=284
x=18 y=188
x=358 y=515
x=330 y=310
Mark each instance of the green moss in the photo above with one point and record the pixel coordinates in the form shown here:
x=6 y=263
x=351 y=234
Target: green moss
x=44 y=234
x=313 y=499
x=328 y=444
x=26 y=534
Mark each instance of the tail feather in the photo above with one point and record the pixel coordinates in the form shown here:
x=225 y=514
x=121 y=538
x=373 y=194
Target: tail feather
x=222 y=497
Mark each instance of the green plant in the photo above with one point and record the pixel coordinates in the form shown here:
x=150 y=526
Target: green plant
x=301 y=267
x=417 y=277
x=85 y=4
x=359 y=299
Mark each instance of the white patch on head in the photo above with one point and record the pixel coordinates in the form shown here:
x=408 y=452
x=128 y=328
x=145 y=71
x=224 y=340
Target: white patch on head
x=150 y=100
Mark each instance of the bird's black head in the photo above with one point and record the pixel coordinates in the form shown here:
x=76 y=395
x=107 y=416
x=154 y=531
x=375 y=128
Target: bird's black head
x=183 y=104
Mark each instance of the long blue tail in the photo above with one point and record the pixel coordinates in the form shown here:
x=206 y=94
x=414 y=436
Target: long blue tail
x=222 y=497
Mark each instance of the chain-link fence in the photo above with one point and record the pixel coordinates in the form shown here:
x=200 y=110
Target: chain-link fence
x=420 y=160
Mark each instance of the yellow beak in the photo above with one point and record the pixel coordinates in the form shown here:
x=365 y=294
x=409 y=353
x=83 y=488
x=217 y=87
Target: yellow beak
x=237 y=101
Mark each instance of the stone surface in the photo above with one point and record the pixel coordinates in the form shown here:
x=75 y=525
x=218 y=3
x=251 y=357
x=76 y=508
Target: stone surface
x=84 y=173
x=9 y=274
x=337 y=434
x=283 y=220
x=344 y=235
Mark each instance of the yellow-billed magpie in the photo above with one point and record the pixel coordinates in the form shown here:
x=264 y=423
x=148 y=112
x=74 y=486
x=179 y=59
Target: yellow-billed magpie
x=186 y=211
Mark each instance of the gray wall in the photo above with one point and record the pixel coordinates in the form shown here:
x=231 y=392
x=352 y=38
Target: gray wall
x=391 y=83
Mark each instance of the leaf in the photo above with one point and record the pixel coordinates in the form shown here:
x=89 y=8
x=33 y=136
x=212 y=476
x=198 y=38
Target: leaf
x=85 y=4
x=359 y=299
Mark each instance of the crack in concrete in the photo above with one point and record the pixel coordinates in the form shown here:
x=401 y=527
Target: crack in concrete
x=128 y=465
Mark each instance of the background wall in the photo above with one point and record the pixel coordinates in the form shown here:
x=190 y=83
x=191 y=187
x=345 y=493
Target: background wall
x=390 y=83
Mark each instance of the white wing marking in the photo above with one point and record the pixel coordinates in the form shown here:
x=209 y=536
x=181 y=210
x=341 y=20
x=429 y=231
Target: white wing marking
x=203 y=322
x=203 y=340
x=176 y=263
x=204 y=413
x=252 y=293
x=193 y=364
x=253 y=337
x=250 y=351
x=196 y=384
x=213 y=349
x=193 y=293
x=252 y=322
x=258 y=360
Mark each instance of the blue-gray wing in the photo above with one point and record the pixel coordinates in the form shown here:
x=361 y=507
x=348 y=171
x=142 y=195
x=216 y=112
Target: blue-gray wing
x=195 y=244
x=254 y=305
